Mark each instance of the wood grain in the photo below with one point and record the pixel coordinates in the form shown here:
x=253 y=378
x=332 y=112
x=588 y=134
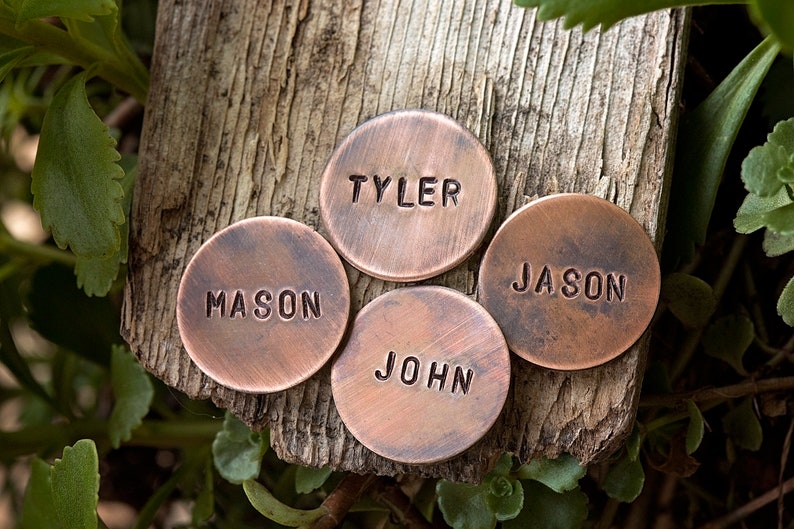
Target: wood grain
x=248 y=100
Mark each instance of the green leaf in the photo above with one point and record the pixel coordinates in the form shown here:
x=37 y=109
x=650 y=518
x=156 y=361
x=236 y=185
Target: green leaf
x=752 y=212
x=237 y=451
x=728 y=338
x=760 y=169
x=95 y=275
x=10 y=59
x=742 y=426
x=779 y=17
x=65 y=315
x=695 y=429
x=204 y=504
x=75 y=185
x=780 y=220
x=271 y=508
x=505 y=497
x=776 y=244
x=498 y=498
x=625 y=480
x=75 y=486
x=785 y=304
x=690 y=299
x=705 y=138
x=310 y=479
x=133 y=392
x=464 y=505
x=590 y=13
x=560 y=474
x=769 y=166
x=37 y=510
x=79 y=9
x=546 y=509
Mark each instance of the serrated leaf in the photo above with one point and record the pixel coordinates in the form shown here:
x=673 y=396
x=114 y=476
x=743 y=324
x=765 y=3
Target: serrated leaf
x=310 y=479
x=590 y=13
x=79 y=9
x=37 y=512
x=237 y=451
x=560 y=474
x=75 y=180
x=705 y=138
x=95 y=275
x=546 y=509
x=728 y=338
x=760 y=169
x=767 y=167
x=776 y=244
x=695 y=429
x=690 y=299
x=785 y=304
x=75 y=486
x=780 y=220
x=779 y=17
x=133 y=392
x=750 y=216
x=743 y=427
x=463 y=505
x=625 y=480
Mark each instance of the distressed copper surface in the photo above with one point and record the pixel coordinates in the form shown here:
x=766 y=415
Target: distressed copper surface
x=408 y=195
x=573 y=281
x=263 y=304
x=423 y=376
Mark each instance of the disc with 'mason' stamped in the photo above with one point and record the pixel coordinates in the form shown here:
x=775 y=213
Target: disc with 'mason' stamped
x=263 y=304
x=408 y=195
x=423 y=376
x=572 y=280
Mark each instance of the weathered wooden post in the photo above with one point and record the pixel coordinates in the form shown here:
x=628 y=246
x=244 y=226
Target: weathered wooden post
x=248 y=100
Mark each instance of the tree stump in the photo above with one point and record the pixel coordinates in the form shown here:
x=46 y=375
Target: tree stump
x=248 y=100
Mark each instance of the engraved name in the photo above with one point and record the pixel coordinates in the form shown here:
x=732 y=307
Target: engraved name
x=424 y=195
x=262 y=304
x=571 y=283
x=436 y=375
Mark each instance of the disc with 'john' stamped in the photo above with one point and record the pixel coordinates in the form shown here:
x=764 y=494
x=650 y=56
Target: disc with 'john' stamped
x=408 y=195
x=423 y=376
x=263 y=304
x=572 y=279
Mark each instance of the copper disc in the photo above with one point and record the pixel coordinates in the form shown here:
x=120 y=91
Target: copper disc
x=408 y=195
x=263 y=304
x=573 y=281
x=423 y=376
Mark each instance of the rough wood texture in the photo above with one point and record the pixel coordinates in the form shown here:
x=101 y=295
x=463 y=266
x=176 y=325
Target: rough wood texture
x=248 y=100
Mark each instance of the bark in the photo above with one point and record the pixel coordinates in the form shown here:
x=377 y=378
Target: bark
x=248 y=100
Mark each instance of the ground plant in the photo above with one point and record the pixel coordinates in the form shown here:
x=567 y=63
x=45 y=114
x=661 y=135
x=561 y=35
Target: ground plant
x=89 y=439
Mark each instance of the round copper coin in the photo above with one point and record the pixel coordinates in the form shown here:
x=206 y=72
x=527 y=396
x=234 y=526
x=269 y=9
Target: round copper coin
x=573 y=281
x=423 y=376
x=263 y=304
x=408 y=195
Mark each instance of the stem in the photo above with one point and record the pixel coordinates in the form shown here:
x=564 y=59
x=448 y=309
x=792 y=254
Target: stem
x=160 y=434
x=341 y=499
x=132 y=78
x=749 y=508
x=37 y=252
x=388 y=493
x=750 y=387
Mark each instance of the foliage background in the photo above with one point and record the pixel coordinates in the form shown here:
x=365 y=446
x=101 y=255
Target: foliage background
x=714 y=429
